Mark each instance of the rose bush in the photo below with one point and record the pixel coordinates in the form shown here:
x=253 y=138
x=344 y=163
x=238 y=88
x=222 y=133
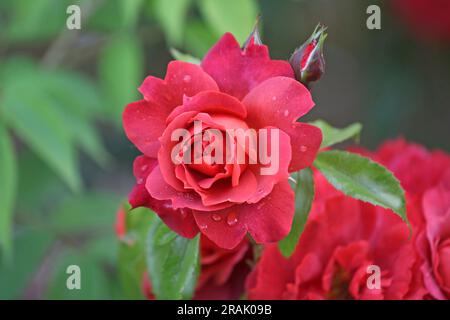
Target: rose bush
x=343 y=236
x=232 y=88
x=425 y=175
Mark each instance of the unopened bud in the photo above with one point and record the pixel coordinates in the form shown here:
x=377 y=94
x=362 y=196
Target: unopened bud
x=307 y=60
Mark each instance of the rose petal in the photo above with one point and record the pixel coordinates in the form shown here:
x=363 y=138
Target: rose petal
x=305 y=143
x=160 y=190
x=270 y=219
x=266 y=182
x=182 y=78
x=211 y=102
x=237 y=72
x=144 y=123
x=277 y=102
x=223 y=227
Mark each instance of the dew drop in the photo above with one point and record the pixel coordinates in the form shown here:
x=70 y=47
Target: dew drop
x=187 y=78
x=140 y=181
x=183 y=213
x=232 y=219
x=274 y=98
x=286 y=113
x=303 y=148
x=144 y=167
x=203 y=226
x=216 y=217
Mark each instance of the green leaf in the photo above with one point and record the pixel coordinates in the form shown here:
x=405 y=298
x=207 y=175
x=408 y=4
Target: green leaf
x=171 y=14
x=8 y=186
x=30 y=247
x=304 y=195
x=199 y=38
x=130 y=10
x=35 y=118
x=120 y=72
x=183 y=56
x=83 y=213
x=36 y=20
x=235 y=16
x=363 y=179
x=132 y=253
x=172 y=262
x=95 y=284
x=333 y=135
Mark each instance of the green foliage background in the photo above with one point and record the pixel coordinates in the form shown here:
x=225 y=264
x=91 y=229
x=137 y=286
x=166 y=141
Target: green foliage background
x=65 y=165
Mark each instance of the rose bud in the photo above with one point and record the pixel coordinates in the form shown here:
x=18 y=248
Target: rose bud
x=254 y=37
x=307 y=60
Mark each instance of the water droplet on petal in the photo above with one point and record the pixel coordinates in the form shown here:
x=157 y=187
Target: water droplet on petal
x=232 y=219
x=183 y=213
x=187 y=78
x=140 y=181
x=144 y=167
x=303 y=148
x=274 y=98
x=286 y=113
x=216 y=217
x=203 y=227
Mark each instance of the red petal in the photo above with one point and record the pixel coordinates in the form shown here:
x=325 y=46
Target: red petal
x=181 y=220
x=305 y=143
x=270 y=219
x=211 y=102
x=267 y=182
x=277 y=102
x=182 y=78
x=223 y=227
x=160 y=190
x=144 y=123
x=238 y=72
x=142 y=166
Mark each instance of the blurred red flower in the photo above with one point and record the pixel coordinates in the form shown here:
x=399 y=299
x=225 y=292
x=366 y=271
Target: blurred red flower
x=342 y=239
x=425 y=175
x=232 y=89
x=428 y=19
x=343 y=236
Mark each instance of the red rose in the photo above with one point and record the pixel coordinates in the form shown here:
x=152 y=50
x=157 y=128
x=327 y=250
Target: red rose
x=425 y=176
x=342 y=239
x=232 y=89
x=222 y=275
x=427 y=19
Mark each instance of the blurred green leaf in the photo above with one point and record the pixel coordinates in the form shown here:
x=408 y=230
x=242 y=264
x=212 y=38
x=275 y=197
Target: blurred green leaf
x=8 y=184
x=172 y=262
x=130 y=10
x=304 y=196
x=30 y=247
x=120 y=72
x=36 y=20
x=35 y=118
x=171 y=15
x=84 y=213
x=132 y=252
x=199 y=38
x=94 y=280
x=235 y=16
x=333 y=135
x=183 y=56
x=363 y=179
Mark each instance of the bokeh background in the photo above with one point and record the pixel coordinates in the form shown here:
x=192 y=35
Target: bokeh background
x=65 y=164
